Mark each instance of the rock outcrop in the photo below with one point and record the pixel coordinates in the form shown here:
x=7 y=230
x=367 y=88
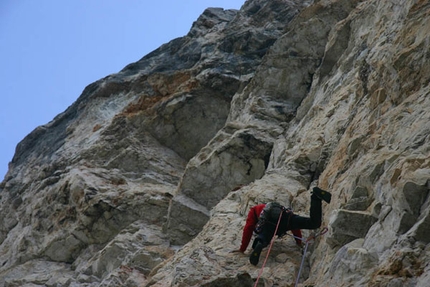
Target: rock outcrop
x=146 y=180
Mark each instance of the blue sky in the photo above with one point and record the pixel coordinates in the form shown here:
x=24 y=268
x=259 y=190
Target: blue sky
x=51 y=50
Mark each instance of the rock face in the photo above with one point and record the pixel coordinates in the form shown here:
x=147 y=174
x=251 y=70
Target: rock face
x=146 y=180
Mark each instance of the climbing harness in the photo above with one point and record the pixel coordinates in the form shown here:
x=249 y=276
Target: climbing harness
x=307 y=241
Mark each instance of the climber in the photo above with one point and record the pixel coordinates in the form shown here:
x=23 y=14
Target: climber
x=263 y=219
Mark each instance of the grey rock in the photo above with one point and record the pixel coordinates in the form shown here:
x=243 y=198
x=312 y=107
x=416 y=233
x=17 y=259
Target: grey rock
x=147 y=179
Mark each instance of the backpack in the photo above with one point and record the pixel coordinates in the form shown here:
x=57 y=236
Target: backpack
x=272 y=211
x=270 y=215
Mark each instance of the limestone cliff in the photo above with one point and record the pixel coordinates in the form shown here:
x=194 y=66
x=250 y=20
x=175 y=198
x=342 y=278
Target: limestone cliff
x=146 y=180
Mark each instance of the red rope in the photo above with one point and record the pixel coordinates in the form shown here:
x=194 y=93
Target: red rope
x=268 y=251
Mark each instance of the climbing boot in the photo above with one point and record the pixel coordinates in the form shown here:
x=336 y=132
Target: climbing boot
x=255 y=255
x=255 y=242
x=322 y=194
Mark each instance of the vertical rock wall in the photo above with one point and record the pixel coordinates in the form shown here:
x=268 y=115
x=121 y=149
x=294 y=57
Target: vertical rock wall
x=354 y=122
x=146 y=180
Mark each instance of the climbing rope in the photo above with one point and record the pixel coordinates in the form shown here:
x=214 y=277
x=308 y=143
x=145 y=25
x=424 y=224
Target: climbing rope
x=268 y=251
x=311 y=237
x=307 y=241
